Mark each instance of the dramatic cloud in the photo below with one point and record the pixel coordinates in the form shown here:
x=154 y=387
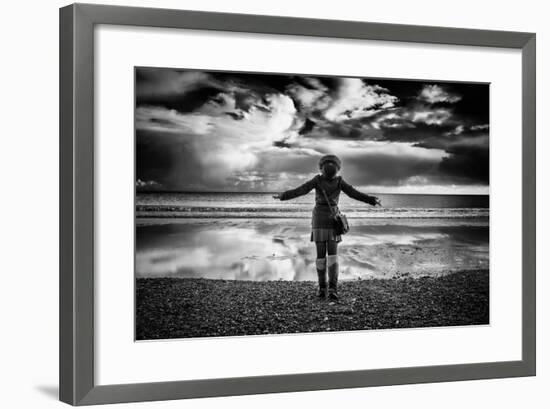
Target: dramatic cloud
x=211 y=131
x=432 y=117
x=149 y=184
x=355 y=99
x=433 y=94
x=350 y=98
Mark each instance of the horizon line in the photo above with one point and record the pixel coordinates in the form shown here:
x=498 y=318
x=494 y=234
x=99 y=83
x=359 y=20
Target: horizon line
x=273 y=192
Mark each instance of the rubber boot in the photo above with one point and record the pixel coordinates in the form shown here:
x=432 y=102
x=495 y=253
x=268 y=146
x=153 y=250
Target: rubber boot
x=320 y=264
x=332 y=267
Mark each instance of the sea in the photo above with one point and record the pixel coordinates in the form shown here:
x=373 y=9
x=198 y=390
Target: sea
x=263 y=205
x=252 y=236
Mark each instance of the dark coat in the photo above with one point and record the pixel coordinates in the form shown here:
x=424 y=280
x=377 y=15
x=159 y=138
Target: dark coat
x=321 y=216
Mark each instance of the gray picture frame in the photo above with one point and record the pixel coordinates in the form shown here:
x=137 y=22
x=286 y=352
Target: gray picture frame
x=76 y=271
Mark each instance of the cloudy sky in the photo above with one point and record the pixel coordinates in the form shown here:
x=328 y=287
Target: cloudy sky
x=217 y=131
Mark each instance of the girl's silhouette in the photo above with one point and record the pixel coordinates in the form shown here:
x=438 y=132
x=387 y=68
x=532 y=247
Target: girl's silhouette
x=322 y=224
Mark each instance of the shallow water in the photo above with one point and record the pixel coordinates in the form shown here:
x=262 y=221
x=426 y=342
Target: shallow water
x=280 y=249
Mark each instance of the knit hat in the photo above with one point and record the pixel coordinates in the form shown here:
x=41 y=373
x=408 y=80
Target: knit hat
x=330 y=158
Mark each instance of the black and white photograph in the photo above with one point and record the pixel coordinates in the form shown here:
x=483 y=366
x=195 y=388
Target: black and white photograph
x=267 y=204
x=276 y=203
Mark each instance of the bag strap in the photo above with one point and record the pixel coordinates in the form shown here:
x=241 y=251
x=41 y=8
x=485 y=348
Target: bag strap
x=328 y=202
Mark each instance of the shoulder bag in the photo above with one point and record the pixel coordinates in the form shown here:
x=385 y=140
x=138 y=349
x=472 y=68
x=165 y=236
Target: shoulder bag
x=341 y=224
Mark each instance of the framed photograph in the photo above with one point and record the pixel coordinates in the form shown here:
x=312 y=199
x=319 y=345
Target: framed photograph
x=259 y=204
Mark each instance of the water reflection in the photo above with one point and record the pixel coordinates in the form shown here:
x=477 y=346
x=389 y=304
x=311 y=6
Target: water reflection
x=280 y=249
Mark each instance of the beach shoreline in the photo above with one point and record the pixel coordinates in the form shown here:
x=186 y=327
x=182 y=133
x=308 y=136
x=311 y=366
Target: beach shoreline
x=169 y=308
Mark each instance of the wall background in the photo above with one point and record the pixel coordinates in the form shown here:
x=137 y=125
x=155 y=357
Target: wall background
x=29 y=174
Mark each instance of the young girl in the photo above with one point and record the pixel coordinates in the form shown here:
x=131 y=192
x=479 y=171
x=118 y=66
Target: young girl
x=322 y=232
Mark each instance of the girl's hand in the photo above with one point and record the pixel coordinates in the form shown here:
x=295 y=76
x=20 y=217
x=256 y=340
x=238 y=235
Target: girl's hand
x=277 y=196
x=377 y=201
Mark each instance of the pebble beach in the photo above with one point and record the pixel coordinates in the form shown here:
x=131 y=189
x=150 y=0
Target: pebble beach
x=189 y=308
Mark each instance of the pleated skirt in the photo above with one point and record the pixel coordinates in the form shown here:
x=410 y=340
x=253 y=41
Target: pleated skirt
x=324 y=234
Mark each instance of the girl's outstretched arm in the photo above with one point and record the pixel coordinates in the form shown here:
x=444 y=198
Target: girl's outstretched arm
x=357 y=195
x=299 y=191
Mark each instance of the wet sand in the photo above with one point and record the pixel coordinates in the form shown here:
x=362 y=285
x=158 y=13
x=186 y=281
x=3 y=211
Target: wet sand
x=186 y=307
x=280 y=249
